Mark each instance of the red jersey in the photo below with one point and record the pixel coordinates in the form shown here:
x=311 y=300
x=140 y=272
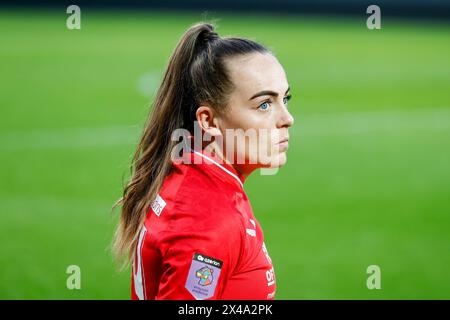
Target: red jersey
x=200 y=239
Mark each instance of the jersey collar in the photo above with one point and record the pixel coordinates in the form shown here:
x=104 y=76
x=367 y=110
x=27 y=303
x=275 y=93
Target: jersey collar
x=216 y=161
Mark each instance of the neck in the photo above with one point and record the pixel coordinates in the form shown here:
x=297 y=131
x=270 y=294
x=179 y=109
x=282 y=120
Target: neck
x=243 y=169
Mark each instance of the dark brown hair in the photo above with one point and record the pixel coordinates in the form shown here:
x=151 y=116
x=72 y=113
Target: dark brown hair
x=196 y=74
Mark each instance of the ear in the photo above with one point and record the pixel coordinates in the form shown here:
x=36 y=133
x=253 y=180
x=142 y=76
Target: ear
x=208 y=120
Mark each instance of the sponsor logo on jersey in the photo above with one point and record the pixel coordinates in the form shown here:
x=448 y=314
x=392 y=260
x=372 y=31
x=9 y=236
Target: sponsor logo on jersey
x=202 y=276
x=158 y=205
x=270 y=276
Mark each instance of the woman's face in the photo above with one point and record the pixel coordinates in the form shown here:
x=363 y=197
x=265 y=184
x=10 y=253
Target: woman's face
x=256 y=118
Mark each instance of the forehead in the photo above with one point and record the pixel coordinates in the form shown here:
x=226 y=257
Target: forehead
x=256 y=72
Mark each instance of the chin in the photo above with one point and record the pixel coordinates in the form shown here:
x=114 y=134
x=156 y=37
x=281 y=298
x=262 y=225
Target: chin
x=278 y=161
x=282 y=159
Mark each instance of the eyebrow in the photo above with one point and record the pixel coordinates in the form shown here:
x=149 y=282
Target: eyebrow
x=267 y=93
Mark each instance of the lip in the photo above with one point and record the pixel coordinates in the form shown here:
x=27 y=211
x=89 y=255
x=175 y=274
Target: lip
x=283 y=143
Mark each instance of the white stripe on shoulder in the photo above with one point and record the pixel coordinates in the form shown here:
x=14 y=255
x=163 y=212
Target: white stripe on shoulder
x=220 y=166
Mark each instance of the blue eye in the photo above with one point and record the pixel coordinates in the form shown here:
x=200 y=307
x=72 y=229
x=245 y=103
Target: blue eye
x=264 y=106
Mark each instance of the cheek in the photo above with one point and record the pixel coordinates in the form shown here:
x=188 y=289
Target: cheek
x=254 y=135
x=258 y=138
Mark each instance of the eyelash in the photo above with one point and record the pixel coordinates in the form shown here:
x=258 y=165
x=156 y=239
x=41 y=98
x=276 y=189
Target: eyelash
x=288 y=97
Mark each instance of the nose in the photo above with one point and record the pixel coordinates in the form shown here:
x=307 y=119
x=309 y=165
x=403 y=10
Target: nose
x=285 y=119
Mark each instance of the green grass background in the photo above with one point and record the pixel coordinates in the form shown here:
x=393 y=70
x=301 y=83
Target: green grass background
x=367 y=180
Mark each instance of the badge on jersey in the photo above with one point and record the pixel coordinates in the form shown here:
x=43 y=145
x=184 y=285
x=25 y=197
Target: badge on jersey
x=203 y=276
x=158 y=205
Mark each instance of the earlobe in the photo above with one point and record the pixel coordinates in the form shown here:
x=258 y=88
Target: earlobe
x=213 y=131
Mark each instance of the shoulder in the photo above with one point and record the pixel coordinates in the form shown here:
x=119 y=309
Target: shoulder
x=194 y=190
x=196 y=209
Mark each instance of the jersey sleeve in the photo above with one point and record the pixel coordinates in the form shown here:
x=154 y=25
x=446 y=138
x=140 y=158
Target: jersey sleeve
x=198 y=260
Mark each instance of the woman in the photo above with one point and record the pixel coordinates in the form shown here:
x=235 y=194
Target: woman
x=186 y=222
